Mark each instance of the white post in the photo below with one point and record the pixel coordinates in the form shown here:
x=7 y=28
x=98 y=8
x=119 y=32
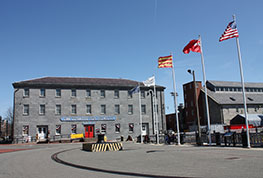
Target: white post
x=243 y=86
x=206 y=100
x=156 y=116
x=175 y=108
x=140 y=109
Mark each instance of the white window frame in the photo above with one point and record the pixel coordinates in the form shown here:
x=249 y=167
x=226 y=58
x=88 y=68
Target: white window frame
x=117 y=109
x=42 y=109
x=103 y=128
x=74 y=109
x=88 y=109
x=58 y=109
x=73 y=93
x=58 y=93
x=103 y=109
x=130 y=109
x=74 y=128
x=26 y=92
x=116 y=94
x=117 y=128
x=42 y=92
x=58 y=130
x=27 y=110
x=131 y=127
x=88 y=93
x=102 y=93
x=143 y=108
x=25 y=130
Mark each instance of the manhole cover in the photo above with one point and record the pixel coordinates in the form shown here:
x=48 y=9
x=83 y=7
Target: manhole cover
x=232 y=158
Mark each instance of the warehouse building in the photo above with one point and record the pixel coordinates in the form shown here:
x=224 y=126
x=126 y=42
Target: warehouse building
x=225 y=101
x=56 y=107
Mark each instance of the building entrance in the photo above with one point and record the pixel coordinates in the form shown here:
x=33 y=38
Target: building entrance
x=145 y=129
x=89 y=131
x=42 y=132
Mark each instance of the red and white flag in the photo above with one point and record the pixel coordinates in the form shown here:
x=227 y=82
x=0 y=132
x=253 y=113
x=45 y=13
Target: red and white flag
x=193 y=45
x=230 y=32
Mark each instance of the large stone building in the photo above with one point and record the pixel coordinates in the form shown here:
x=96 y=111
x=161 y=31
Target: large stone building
x=225 y=101
x=56 y=106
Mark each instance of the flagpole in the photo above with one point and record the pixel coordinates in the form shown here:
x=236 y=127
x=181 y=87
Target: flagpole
x=156 y=114
x=175 y=107
x=243 y=86
x=206 y=99
x=140 y=110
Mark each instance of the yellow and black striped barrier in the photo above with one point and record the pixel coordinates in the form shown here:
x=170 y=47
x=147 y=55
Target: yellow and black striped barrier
x=99 y=147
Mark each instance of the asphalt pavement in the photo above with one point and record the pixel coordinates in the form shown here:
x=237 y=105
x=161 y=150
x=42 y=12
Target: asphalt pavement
x=136 y=160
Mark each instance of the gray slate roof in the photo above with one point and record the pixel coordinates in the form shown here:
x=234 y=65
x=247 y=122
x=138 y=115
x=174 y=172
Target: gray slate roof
x=77 y=82
x=235 y=84
x=237 y=97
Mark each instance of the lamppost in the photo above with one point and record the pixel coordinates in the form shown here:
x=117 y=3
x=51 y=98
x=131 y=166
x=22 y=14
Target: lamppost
x=199 y=142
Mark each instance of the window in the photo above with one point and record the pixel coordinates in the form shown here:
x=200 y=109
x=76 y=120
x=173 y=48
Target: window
x=142 y=94
x=58 y=109
x=73 y=93
x=73 y=128
x=131 y=127
x=143 y=109
x=102 y=94
x=103 y=128
x=88 y=109
x=117 y=109
x=116 y=94
x=117 y=128
x=42 y=109
x=42 y=92
x=26 y=110
x=88 y=93
x=103 y=109
x=25 y=130
x=26 y=92
x=250 y=99
x=73 y=109
x=58 y=129
x=58 y=92
x=130 y=109
x=233 y=99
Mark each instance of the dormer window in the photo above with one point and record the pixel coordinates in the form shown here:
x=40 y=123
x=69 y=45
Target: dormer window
x=233 y=99
x=250 y=99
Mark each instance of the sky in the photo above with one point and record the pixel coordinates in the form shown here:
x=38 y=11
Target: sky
x=124 y=38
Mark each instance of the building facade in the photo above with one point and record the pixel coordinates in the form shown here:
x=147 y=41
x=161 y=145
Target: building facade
x=225 y=100
x=51 y=107
x=190 y=109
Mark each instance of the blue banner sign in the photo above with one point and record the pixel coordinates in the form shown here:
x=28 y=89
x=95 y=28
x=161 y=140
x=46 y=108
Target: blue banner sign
x=87 y=118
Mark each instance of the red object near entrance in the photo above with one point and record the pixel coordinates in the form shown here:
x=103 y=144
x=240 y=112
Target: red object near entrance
x=237 y=127
x=89 y=131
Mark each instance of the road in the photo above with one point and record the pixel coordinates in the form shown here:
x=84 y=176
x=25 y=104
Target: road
x=136 y=160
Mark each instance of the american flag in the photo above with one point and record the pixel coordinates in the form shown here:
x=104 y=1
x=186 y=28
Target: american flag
x=230 y=32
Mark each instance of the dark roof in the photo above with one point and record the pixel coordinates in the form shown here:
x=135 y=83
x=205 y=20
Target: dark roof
x=234 y=84
x=255 y=119
x=77 y=82
x=235 y=97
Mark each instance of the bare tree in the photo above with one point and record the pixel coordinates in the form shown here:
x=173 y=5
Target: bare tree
x=9 y=115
